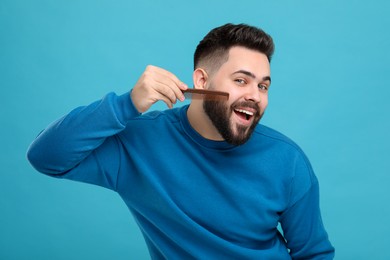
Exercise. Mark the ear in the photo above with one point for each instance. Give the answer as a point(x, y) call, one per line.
point(200, 78)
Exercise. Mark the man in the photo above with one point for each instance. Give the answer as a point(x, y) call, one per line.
point(203, 181)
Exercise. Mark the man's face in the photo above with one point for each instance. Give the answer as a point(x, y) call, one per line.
point(246, 76)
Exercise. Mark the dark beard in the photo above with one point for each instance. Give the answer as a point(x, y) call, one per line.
point(219, 114)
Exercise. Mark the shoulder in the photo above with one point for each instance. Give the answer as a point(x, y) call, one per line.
point(282, 148)
point(289, 159)
point(153, 124)
point(169, 115)
point(269, 135)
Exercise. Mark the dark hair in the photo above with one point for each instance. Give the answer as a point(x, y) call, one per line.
point(214, 47)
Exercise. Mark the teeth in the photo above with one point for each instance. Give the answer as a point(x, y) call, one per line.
point(245, 112)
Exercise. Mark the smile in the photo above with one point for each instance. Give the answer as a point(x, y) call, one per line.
point(243, 114)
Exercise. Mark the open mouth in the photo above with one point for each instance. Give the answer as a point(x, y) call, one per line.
point(243, 114)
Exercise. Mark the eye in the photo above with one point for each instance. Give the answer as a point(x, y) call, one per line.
point(263, 87)
point(240, 81)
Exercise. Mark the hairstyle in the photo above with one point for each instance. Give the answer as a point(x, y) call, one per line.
point(212, 51)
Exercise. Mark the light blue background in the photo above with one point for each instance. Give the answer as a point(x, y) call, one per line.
point(330, 93)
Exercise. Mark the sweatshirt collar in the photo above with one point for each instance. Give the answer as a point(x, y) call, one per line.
point(199, 139)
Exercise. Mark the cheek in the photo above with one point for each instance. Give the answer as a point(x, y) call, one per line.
point(234, 95)
point(264, 102)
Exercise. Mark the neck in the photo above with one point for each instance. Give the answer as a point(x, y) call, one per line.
point(200, 121)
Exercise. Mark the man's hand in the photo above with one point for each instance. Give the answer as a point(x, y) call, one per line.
point(156, 84)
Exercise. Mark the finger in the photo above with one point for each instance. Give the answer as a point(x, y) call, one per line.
point(165, 91)
point(164, 74)
point(170, 88)
point(165, 78)
point(172, 77)
point(167, 101)
point(167, 83)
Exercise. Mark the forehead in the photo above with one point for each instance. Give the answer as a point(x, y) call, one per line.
point(241, 58)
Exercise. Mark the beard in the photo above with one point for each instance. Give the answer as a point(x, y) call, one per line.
point(220, 115)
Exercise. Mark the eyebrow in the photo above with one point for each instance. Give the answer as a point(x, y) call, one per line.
point(250, 74)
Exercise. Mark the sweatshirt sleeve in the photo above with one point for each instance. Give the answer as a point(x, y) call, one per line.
point(75, 144)
point(301, 222)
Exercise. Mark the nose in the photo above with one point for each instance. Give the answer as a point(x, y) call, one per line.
point(252, 93)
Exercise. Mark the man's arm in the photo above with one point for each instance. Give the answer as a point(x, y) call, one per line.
point(303, 228)
point(301, 221)
point(70, 140)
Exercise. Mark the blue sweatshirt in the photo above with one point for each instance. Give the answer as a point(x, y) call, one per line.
point(192, 197)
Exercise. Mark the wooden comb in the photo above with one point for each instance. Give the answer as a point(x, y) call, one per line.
point(205, 94)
